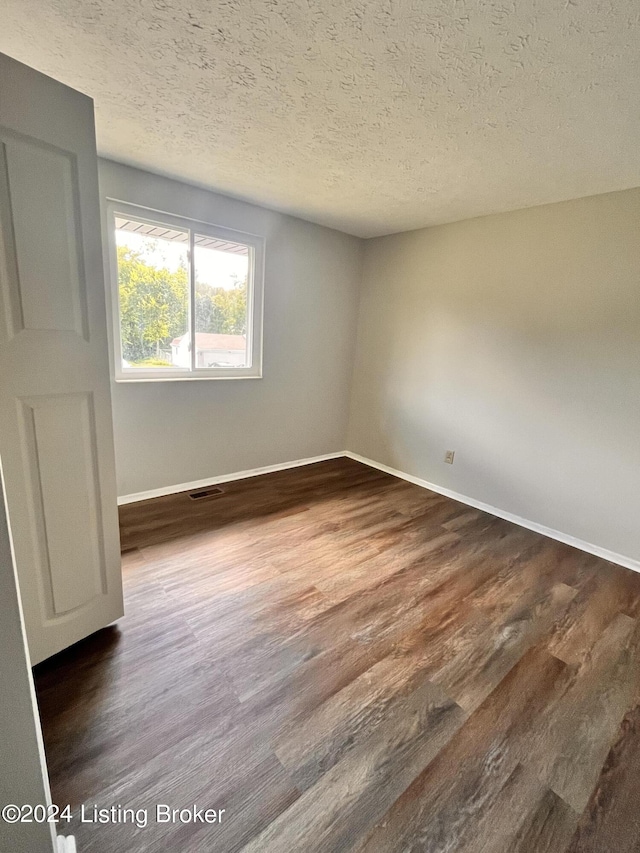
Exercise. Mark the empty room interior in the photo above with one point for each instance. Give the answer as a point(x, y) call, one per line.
point(319, 426)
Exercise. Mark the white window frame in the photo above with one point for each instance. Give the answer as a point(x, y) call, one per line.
point(255, 296)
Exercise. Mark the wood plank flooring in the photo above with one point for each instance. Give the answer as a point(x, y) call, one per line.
point(346, 662)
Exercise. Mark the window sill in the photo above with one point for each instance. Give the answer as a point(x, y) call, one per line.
point(138, 379)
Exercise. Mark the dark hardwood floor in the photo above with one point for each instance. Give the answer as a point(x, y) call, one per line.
point(346, 662)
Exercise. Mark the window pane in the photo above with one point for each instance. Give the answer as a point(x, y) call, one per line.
point(221, 275)
point(153, 285)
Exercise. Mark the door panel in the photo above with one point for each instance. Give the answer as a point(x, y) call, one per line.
point(56, 441)
point(41, 190)
point(59, 433)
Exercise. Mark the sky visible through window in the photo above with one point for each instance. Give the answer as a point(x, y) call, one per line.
point(218, 269)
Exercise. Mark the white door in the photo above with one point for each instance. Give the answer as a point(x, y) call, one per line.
point(23, 770)
point(56, 434)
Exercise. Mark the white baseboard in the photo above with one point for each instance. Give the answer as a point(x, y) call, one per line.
point(596, 550)
point(225, 478)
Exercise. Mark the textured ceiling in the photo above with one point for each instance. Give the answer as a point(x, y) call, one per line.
point(372, 116)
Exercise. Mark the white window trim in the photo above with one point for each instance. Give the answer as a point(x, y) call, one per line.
point(255, 296)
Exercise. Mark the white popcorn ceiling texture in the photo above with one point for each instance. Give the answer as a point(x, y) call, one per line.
point(372, 116)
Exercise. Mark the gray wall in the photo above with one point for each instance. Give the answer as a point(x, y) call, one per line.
point(515, 341)
point(167, 433)
point(512, 339)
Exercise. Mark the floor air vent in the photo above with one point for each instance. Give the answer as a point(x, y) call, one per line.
point(213, 492)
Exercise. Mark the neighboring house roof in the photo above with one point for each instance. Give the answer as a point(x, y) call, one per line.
point(208, 341)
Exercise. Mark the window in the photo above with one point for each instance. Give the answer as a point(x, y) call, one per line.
point(189, 298)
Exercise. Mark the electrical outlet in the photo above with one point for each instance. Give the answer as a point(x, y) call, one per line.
point(448, 456)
